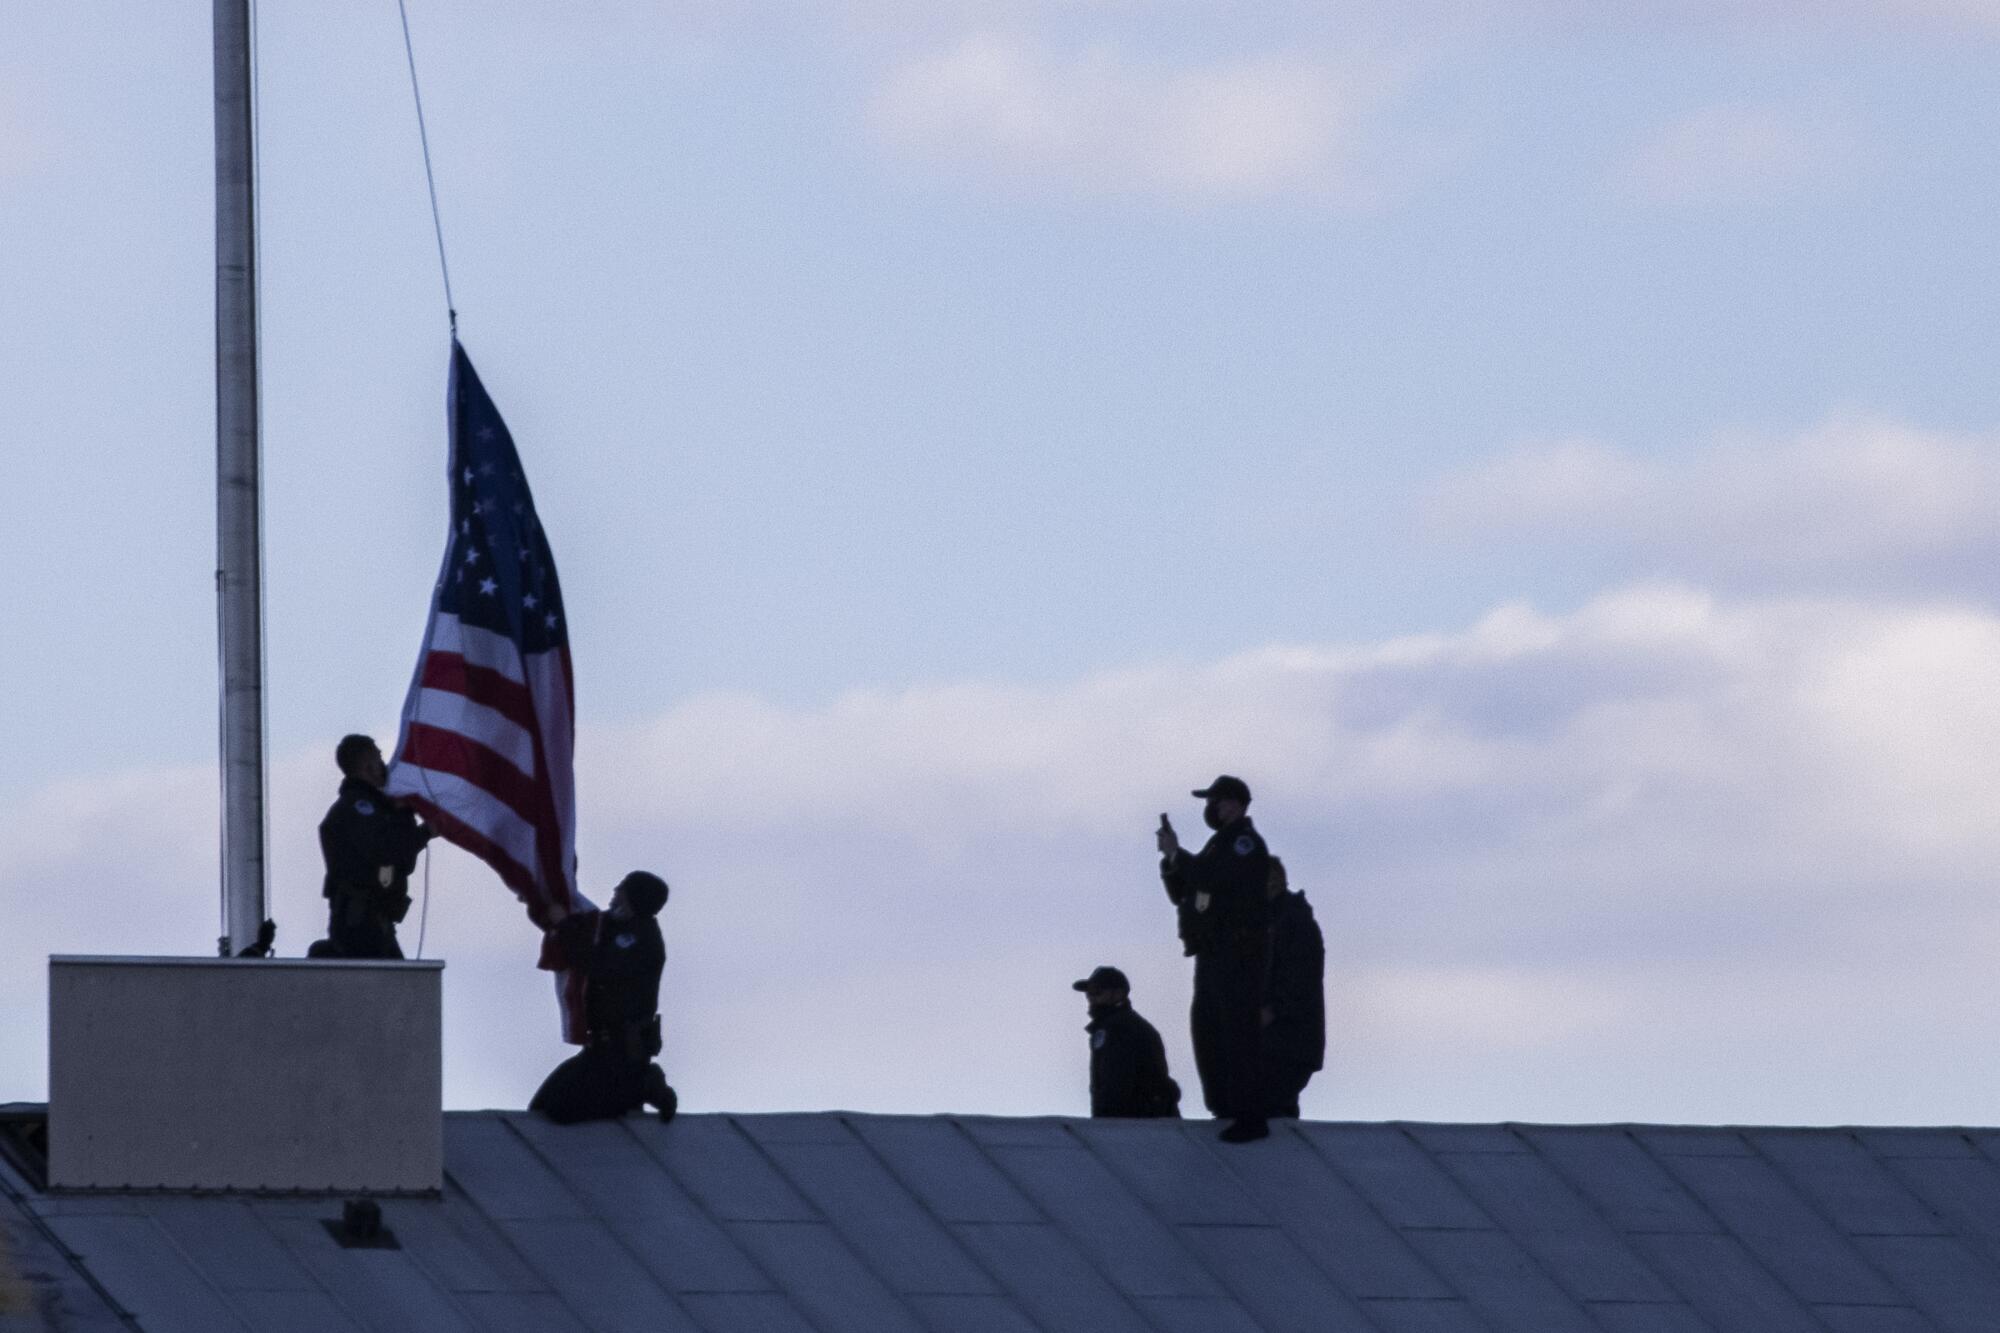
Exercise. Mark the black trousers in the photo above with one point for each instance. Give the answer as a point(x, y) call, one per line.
point(597, 1083)
point(354, 930)
point(1226, 1024)
point(1284, 1081)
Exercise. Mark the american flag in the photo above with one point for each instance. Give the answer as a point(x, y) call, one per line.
point(488, 728)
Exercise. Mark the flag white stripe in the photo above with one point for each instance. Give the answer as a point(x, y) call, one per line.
point(472, 806)
point(548, 686)
point(494, 730)
point(480, 647)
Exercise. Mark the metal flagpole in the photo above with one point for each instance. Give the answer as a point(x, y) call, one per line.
point(239, 581)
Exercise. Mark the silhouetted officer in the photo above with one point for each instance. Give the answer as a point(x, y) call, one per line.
point(621, 955)
point(1219, 894)
point(1294, 1047)
point(1128, 1063)
point(370, 844)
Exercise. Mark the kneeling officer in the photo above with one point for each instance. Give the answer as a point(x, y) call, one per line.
point(1128, 1063)
point(621, 955)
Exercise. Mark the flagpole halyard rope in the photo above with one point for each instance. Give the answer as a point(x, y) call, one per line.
point(430, 179)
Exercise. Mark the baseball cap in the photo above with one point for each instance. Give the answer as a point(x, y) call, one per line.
point(1234, 789)
point(1104, 978)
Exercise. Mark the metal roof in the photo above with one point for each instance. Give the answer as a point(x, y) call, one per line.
point(967, 1224)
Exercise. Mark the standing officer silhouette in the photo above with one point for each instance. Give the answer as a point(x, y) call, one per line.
point(1294, 1019)
point(1219, 896)
point(370, 844)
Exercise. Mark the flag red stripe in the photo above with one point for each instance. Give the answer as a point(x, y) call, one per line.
point(574, 986)
point(512, 873)
point(482, 685)
point(463, 756)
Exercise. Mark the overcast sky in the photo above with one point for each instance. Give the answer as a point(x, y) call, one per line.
point(1551, 450)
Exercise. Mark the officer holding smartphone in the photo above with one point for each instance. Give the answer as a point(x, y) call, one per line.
point(1219, 896)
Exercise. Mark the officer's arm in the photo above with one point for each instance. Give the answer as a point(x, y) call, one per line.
point(410, 837)
point(344, 841)
point(566, 945)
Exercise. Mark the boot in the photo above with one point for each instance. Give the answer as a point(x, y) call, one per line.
point(1247, 1129)
point(659, 1095)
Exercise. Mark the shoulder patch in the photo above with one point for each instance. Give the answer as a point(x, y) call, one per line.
point(626, 940)
point(1245, 845)
point(364, 807)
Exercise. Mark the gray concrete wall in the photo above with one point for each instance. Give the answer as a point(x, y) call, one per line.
point(242, 1074)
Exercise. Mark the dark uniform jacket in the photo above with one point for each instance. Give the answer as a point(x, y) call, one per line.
point(364, 834)
point(1128, 1066)
point(1297, 981)
point(621, 962)
point(1220, 892)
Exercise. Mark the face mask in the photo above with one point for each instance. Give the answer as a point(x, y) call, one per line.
point(1210, 817)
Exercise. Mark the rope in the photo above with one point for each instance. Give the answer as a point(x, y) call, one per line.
point(451, 313)
point(424, 916)
point(430, 180)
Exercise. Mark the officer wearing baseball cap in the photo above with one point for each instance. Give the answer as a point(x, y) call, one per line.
point(1128, 1063)
point(1219, 896)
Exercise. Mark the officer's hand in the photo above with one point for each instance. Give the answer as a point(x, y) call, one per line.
point(1168, 841)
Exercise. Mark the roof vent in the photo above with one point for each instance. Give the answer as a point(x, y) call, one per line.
point(359, 1227)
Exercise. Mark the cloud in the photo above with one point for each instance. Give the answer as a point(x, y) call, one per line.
point(1739, 154)
point(1667, 856)
point(1803, 16)
point(1100, 121)
point(1865, 501)
point(1435, 18)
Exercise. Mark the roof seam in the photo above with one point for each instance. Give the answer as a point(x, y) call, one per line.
point(944, 1228)
point(69, 1256)
point(720, 1227)
point(591, 1215)
point(1554, 1280)
point(222, 1297)
point(1595, 1210)
point(1741, 1240)
point(899, 1298)
point(1812, 1205)
point(1171, 1226)
point(1360, 1196)
point(1089, 1259)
